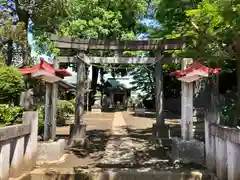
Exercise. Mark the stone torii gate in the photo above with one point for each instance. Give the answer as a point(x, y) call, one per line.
point(77, 130)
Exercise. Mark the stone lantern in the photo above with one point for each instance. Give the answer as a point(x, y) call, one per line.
point(187, 149)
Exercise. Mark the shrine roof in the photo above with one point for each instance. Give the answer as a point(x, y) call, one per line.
point(66, 85)
point(43, 65)
point(123, 83)
point(195, 66)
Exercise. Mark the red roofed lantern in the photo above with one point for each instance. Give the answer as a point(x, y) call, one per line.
point(45, 71)
point(194, 71)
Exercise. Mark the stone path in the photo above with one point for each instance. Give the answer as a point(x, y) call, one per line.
point(119, 149)
point(123, 150)
point(127, 149)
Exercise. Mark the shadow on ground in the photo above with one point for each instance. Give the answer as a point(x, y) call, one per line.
point(152, 115)
point(155, 156)
point(96, 144)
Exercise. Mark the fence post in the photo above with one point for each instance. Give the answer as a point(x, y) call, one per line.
point(4, 159)
point(233, 160)
point(17, 152)
point(221, 158)
point(210, 150)
point(31, 117)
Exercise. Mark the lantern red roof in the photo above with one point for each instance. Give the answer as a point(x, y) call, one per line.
point(47, 67)
point(195, 66)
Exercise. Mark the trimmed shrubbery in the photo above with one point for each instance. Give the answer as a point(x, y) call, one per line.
point(64, 110)
point(10, 115)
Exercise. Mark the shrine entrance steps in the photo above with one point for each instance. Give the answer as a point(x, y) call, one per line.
point(123, 153)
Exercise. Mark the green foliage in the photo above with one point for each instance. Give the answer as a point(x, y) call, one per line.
point(64, 110)
point(11, 32)
point(2, 63)
point(228, 110)
point(214, 29)
point(217, 25)
point(143, 80)
point(11, 83)
point(41, 111)
point(171, 86)
point(212, 24)
point(88, 19)
point(99, 19)
point(10, 115)
point(73, 101)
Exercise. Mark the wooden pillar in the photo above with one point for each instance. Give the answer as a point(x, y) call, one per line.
point(47, 115)
point(187, 106)
point(161, 129)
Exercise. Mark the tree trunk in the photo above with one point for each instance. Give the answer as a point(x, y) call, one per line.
point(102, 83)
point(95, 71)
point(23, 16)
point(9, 52)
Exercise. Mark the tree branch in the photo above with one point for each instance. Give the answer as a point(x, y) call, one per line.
point(210, 38)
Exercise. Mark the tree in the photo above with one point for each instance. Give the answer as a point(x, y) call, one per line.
point(11, 84)
point(218, 23)
point(40, 15)
point(212, 24)
point(98, 20)
point(143, 79)
point(12, 34)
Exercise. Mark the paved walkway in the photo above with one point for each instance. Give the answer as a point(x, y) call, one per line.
point(127, 149)
point(94, 121)
point(123, 150)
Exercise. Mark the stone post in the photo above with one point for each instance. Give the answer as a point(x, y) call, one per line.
point(54, 98)
point(17, 147)
point(187, 106)
point(211, 117)
point(31, 142)
point(4, 160)
point(47, 115)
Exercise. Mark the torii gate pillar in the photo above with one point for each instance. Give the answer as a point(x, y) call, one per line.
point(78, 128)
point(161, 130)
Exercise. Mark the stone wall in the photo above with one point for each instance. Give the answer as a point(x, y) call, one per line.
point(18, 147)
point(222, 151)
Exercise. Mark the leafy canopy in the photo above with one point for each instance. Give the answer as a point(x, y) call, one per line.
point(93, 19)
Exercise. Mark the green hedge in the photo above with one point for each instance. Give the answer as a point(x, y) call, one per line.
point(11, 84)
point(10, 115)
point(40, 119)
point(64, 110)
